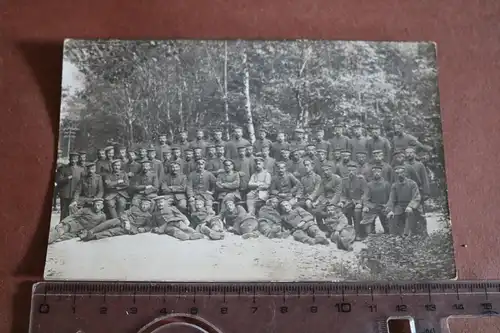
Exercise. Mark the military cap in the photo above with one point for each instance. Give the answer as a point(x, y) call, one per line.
point(59, 151)
point(311, 144)
point(241, 146)
point(175, 162)
point(197, 148)
point(346, 151)
point(263, 130)
point(188, 149)
point(82, 153)
point(162, 134)
point(237, 127)
point(248, 145)
point(259, 159)
point(109, 148)
point(230, 197)
point(410, 148)
point(151, 149)
point(361, 152)
point(218, 130)
point(398, 152)
point(116, 161)
point(338, 125)
point(175, 147)
point(356, 124)
point(375, 166)
point(299, 130)
point(89, 164)
point(228, 160)
point(281, 163)
point(201, 159)
point(265, 145)
point(121, 147)
point(141, 147)
point(210, 145)
point(159, 197)
point(146, 162)
point(321, 150)
point(327, 165)
point(296, 149)
point(74, 153)
point(320, 130)
point(98, 199)
point(285, 148)
point(376, 151)
point(220, 145)
point(400, 166)
point(146, 199)
point(374, 126)
point(352, 165)
point(101, 149)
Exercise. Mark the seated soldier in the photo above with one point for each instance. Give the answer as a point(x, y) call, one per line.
point(228, 182)
point(311, 183)
point(285, 186)
point(206, 222)
point(156, 164)
point(302, 225)
point(244, 166)
point(318, 166)
point(269, 162)
point(132, 167)
point(329, 192)
point(189, 164)
point(116, 190)
point(238, 220)
point(89, 187)
point(339, 232)
point(200, 185)
point(342, 166)
point(144, 185)
point(84, 219)
point(170, 221)
point(353, 189)
point(215, 165)
point(270, 220)
point(296, 167)
point(374, 201)
point(258, 185)
point(174, 186)
point(134, 221)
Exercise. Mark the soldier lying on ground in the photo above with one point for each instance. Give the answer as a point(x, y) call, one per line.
point(206, 222)
point(168, 220)
point(302, 225)
point(270, 220)
point(134, 221)
point(238, 220)
point(338, 230)
point(84, 219)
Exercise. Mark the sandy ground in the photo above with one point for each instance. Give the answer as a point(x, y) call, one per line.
point(147, 257)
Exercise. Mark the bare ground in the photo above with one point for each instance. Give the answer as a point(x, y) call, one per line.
point(150, 257)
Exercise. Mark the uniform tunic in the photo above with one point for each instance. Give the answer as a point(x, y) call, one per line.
point(417, 172)
point(199, 184)
point(310, 184)
point(342, 170)
point(377, 193)
point(188, 167)
point(323, 144)
point(404, 194)
point(277, 147)
point(132, 167)
point(199, 144)
point(240, 220)
point(297, 168)
point(88, 188)
point(298, 144)
point(68, 187)
point(116, 227)
point(175, 186)
point(330, 190)
point(286, 186)
point(258, 186)
point(138, 186)
point(309, 232)
point(228, 183)
point(103, 167)
point(403, 141)
point(157, 166)
point(160, 149)
point(338, 142)
point(379, 143)
point(358, 145)
point(183, 145)
point(353, 189)
point(365, 170)
point(258, 144)
point(216, 165)
point(84, 219)
point(387, 172)
point(318, 167)
point(269, 164)
point(112, 186)
point(269, 221)
point(232, 147)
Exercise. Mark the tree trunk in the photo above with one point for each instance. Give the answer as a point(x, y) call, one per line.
point(248, 105)
point(226, 102)
point(182, 124)
point(130, 126)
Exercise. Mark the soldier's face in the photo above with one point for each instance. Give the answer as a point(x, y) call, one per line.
point(73, 159)
point(238, 133)
point(281, 137)
point(151, 154)
point(398, 129)
point(299, 136)
point(91, 169)
point(308, 165)
point(346, 156)
point(219, 151)
point(230, 205)
point(249, 151)
point(184, 136)
point(146, 167)
point(228, 166)
point(377, 173)
point(330, 210)
point(400, 173)
point(265, 151)
point(262, 135)
point(286, 206)
point(176, 153)
point(259, 165)
point(175, 168)
point(241, 152)
point(163, 139)
point(274, 203)
point(352, 171)
point(296, 155)
point(145, 205)
point(357, 131)
point(410, 154)
point(281, 169)
point(197, 153)
point(321, 156)
point(189, 155)
point(378, 157)
point(82, 158)
point(143, 153)
point(337, 155)
point(311, 150)
point(201, 165)
point(218, 136)
point(123, 153)
point(399, 158)
point(98, 206)
point(327, 171)
point(361, 158)
point(131, 155)
point(117, 166)
point(337, 131)
point(199, 135)
point(110, 154)
point(285, 154)
point(211, 151)
point(160, 204)
point(375, 132)
point(199, 205)
point(167, 156)
point(320, 135)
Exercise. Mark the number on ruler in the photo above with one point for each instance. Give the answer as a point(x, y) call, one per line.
point(254, 309)
point(401, 308)
point(343, 307)
point(44, 308)
point(458, 307)
point(193, 310)
point(103, 310)
point(430, 307)
point(373, 307)
point(223, 310)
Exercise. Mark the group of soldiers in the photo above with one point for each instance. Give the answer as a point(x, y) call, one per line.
point(316, 190)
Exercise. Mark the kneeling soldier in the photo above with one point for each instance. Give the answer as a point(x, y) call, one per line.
point(206, 222)
point(270, 220)
point(302, 225)
point(170, 221)
point(134, 221)
point(84, 219)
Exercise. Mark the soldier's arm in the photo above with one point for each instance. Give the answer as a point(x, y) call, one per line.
point(235, 184)
point(252, 183)
point(189, 187)
point(425, 180)
point(413, 141)
point(78, 190)
point(392, 199)
point(181, 187)
point(135, 186)
point(415, 196)
point(164, 188)
point(317, 188)
point(273, 188)
point(218, 183)
point(267, 182)
point(61, 179)
point(297, 186)
point(100, 188)
point(109, 182)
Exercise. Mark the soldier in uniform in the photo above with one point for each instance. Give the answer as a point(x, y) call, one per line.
point(156, 165)
point(206, 222)
point(82, 159)
point(199, 142)
point(402, 140)
point(320, 142)
point(237, 141)
point(189, 164)
point(296, 166)
point(285, 157)
point(353, 190)
point(228, 182)
point(342, 168)
point(378, 142)
point(270, 220)
point(167, 159)
point(404, 204)
point(116, 190)
point(398, 158)
point(216, 164)
point(243, 165)
point(67, 180)
point(200, 185)
point(328, 193)
point(174, 187)
point(311, 153)
point(134, 221)
point(122, 154)
point(251, 156)
point(338, 141)
point(258, 185)
point(217, 141)
point(337, 155)
point(211, 151)
point(89, 187)
point(143, 154)
point(177, 155)
point(162, 146)
point(183, 142)
point(269, 162)
point(300, 142)
point(170, 221)
point(364, 168)
point(103, 165)
point(318, 166)
point(358, 143)
point(338, 230)
point(302, 225)
point(311, 183)
point(84, 219)
point(261, 141)
point(379, 161)
point(279, 145)
point(132, 167)
point(144, 185)
point(198, 153)
point(238, 220)
point(374, 202)
point(285, 185)
point(59, 164)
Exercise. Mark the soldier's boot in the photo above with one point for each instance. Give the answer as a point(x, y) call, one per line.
point(321, 240)
point(215, 235)
point(310, 241)
point(195, 236)
point(86, 235)
point(253, 234)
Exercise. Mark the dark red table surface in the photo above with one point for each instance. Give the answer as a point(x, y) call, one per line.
point(31, 33)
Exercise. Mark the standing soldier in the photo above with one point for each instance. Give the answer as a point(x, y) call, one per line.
point(67, 180)
point(302, 225)
point(177, 155)
point(320, 142)
point(237, 141)
point(144, 185)
point(116, 190)
point(311, 183)
point(285, 157)
point(354, 188)
point(156, 165)
point(296, 166)
point(279, 145)
point(339, 140)
point(404, 205)
point(269, 162)
point(228, 182)
point(342, 168)
point(258, 185)
point(216, 164)
point(162, 146)
point(211, 151)
point(174, 187)
point(59, 164)
point(358, 142)
point(84, 219)
point(82, 159)
point(285, 185)
point(167, 159)
point(378, 142)
point(300, 142)
point(337, 155)
point(102, 164)
point(183, 142)
point(131, 168)
point(398, 158)
point(217, 141)
point(243, 165)
point(364, 168)
point(374, 202)
point(318, 166)
point(122, 155)
point(197, 153)
point(251, 157)
point(89, 187)
point(379, 161)
point(261, 141)
point(189, 164)
point(200, 185)
point(402, 140)
point(199, 142)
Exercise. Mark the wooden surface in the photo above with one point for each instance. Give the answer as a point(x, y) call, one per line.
point(31, 34)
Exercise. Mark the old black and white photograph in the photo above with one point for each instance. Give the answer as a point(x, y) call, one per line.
point(225, 161)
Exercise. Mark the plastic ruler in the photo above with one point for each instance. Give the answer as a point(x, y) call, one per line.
point(92, 307)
